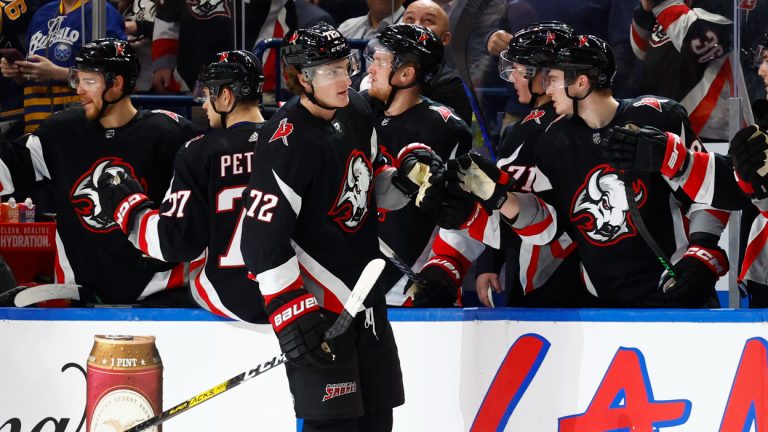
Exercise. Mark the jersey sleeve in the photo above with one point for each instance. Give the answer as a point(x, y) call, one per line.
point(702, 33)
point(165, 34)
point(180, 228)
point(273, 202)
point(27, 160)
point(15, 16)
point(455, 248)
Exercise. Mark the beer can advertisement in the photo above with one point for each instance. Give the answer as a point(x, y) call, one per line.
point(464, 370)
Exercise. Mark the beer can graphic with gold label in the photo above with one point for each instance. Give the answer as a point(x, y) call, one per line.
point(125, 383)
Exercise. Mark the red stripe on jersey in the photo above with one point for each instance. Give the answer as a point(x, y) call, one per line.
point(58, 269)
point(176, 279)
point(698, 172)
point(204, 295)
point(640, 42)
point(442, 249)
point(703, 110)
point(754, 249)
point(477, 226)
point(330, 301)
point(298, 283)
point(143, 245)
point(535, 229)
point(559, 252)
point(164, 47)
point(533, 265)
point(669, 15)
point(381, 169)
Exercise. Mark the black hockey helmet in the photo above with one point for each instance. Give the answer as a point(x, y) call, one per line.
point(110, 57)
point(411, 43)
point(586, 55)
point(533, 46)
point(239, 70)
point(314, 46)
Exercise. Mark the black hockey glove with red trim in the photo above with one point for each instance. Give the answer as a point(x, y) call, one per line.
point(441, 288)
point(458, 209)
point(300, 327)
point(697, 272)
point(420, 174)
point(758, 295)
point(749, 153)
point(121, 197)
point(480, 177)
point(645, 149)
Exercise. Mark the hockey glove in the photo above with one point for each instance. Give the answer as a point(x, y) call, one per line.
point(458, 209)
point(300, 327)
point(121, 197)
point(697, 272)
point(645, 149)
point(481, 179)
point(749, 153)
point(420, 174)
point(441, 287)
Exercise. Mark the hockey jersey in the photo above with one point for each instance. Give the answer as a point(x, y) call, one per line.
point(530, 267)
point(311, 202)
point(200, 220)
point(410, 231)
point(588, 201)
point(59, 37)
point(685, 48)
point(73, 152)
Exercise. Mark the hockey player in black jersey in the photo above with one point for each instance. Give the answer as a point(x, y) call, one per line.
point(200, 219)
point(537, 275)
point(402, 62)
point(310, 229)
point(589, 198)
point(74, 147)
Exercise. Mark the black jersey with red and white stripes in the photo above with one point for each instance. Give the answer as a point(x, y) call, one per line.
point(685, 49)
point(73, 152)
point(200, 221)
point(311, 203)
point(530, 266)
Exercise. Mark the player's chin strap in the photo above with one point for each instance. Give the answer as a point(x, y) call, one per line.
point(106, 103)
point(395, 88)
point(223, 114)
point(313, 99)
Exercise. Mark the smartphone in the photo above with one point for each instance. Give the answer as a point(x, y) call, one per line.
point(11, 54)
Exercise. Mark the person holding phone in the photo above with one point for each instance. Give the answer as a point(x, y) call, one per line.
point(55, 34)
point(15, 16)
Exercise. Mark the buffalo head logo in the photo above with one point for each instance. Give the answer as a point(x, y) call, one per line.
point(85, 194)
point(600, 208)
point(208, 8)
point(351, 205)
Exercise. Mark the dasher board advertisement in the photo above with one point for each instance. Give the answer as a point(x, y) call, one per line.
point(464, 370)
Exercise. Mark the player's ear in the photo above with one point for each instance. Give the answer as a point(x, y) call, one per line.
point(304, 83)
point(118, 82)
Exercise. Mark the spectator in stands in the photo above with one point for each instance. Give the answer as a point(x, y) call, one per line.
point(51, 52)
point(139, 24)
point(446, 88)
point(15, 16)
point(381, 14)
point(310, 14)
point(188, 34)
point(685, 53)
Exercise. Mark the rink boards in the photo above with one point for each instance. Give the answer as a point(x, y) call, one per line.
point(482, 370)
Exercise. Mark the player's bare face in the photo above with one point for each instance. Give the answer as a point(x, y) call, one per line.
point(517, 76)
point(763, 70)
point(90, 88)
point(214, 119)
point(379, 69)
point(331, 83)
point(554, 85)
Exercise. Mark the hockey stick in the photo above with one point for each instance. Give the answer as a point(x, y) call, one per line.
point(41, 293)
point(7, 298)
point(634, 211)
point(352, 306)
point(471, 12)
point(398, 262)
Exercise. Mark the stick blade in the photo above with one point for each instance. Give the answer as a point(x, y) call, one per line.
point(364, 284)
point(41, 293)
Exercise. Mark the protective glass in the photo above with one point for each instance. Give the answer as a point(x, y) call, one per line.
point(330, 73)
point(88, 80)
point(761, 55)
point(509, 70)
point(204, 93)
point(553, 81)
point(378, 55)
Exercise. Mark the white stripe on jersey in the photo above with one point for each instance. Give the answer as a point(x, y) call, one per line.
point(293, 198)
point(202, 282)
point(468, 247)
point(587, 281)
point(146, 226)
point(38, 161)
point(505, 161)
point(66, 267)
point(159, 282)
point(321, 275)
point(276, 279)
point(6, 183)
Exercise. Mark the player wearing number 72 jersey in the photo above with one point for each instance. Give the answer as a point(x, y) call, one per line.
point(200, 218)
